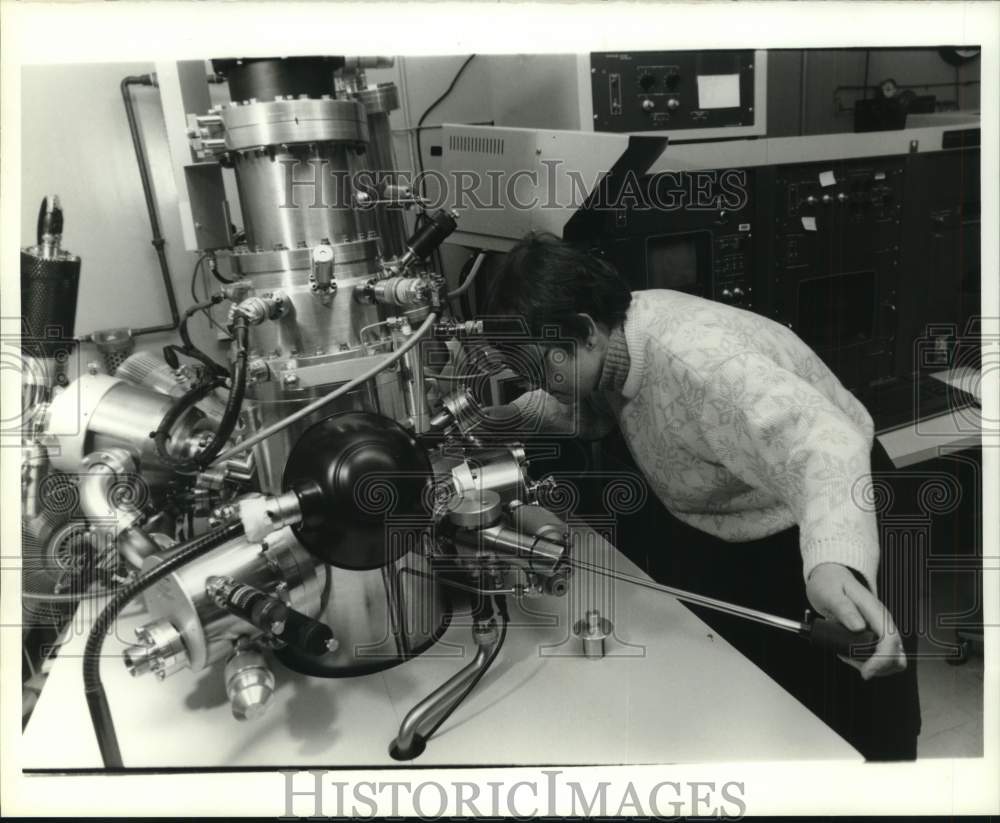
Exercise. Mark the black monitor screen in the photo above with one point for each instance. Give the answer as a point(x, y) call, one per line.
point(672, 261)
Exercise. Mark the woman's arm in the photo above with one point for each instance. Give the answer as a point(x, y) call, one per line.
point(539, 411)
point(774, 430)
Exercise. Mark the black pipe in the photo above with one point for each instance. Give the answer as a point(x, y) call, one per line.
point(188, 347)
point(147, 190)
point(237, 390)
point(97, 700)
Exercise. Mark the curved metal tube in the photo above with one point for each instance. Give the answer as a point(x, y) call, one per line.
point(422, 717)
point(116, 523)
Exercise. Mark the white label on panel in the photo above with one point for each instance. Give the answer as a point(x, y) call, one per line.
point(718, 91)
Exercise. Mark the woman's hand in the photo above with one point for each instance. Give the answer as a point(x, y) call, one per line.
point(836, 594)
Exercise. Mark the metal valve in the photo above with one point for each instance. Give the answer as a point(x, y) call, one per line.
point(321, 270)
point(263, 307)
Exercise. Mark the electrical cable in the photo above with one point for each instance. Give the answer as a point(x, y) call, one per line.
point(208, 292)
point(189, 348)
point(428, 110)
point(349, 386)
point(421, 189)
point(97, 700)
point(237, 391)
point(199, 266)
point(230, 416)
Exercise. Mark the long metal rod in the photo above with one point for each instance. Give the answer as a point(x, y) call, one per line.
point(697, 599)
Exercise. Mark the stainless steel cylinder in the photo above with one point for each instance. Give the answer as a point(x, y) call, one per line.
point(150, 371)
point(293, 161)
point(315, 346)
point(208, 630)
point(98, 412)
point(536, 553)
point(316, 321)
point(593, 630)
point(500, 470)
point(308, 120)
point(296, 196)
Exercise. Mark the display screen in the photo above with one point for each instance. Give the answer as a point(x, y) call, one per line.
point(672, 261)
point(838, 310)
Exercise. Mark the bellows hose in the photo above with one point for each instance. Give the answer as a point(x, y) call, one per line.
point(97, 701)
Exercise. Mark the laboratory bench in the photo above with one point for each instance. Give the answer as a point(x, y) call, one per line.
point(668, 690)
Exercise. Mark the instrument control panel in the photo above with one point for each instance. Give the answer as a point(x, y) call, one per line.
point(670, 91)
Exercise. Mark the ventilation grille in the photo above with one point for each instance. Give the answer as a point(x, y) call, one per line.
point(476, 145)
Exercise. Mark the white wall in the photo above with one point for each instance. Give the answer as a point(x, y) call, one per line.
point(75, 143)
point(514, 90)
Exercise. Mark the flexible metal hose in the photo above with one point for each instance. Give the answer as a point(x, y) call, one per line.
point(284, 423)
point(97, 701)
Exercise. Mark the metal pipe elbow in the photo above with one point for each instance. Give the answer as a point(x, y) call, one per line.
point(409, 743)
point(111, 496)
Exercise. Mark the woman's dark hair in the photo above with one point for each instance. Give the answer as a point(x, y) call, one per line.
point(548, 282)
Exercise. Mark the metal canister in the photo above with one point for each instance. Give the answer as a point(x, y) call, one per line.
point(49, 287)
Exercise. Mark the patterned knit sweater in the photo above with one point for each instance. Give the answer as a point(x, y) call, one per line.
point(739, 428)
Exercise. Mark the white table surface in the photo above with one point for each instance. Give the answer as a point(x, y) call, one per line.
point(949, 431)
point(669, 690)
